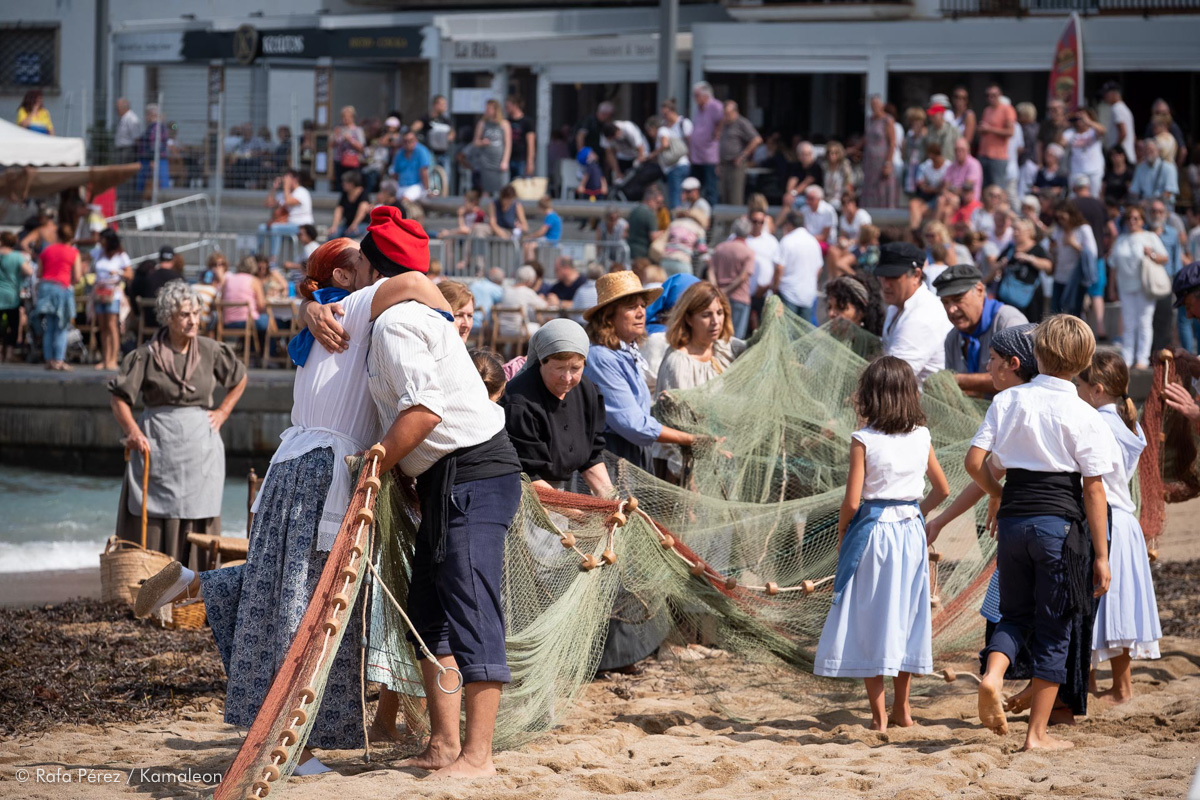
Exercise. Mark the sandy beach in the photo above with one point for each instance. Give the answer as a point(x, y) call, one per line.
point(709, 729)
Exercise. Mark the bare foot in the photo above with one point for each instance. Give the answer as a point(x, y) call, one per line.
point(1047, 742)
point(100, 366)
point(878, 725)
point(1061, 715)
point(433, 757)
point(1113, 697)
point(991, 709)
point(391, 733)
point(1020, 701)
point(461, 768)
point(901, 719)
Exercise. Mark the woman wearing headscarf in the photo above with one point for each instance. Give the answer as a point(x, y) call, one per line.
point(554, 415)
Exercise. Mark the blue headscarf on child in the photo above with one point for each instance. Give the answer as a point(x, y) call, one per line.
point(658, 311)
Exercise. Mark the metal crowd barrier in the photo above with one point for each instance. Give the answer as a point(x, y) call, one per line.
point(195, 247)
point(469, 257)
point(584, 252)
point(191, 213)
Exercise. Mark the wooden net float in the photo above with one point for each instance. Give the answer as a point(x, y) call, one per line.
point(608, 557)
point(588, 563)
point(950, 676)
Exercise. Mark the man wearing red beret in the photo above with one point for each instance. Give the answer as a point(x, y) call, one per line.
point(443, 430)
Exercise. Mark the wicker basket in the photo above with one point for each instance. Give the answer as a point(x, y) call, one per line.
point(530, 188)
point(188, 615)
point(124, 566)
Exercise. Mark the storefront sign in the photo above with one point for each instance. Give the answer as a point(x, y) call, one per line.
point(248, 43)
point(605, 49)
point(148, 48)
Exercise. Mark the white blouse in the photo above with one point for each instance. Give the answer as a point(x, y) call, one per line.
point(1126, 258)
point(331, 407)
point(895, 467)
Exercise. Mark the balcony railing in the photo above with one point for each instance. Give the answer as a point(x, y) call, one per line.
point(1021, 8)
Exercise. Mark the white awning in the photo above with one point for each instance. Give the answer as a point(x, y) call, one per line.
point(20, 147)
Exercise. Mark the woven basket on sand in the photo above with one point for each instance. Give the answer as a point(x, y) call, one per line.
point(124, 566)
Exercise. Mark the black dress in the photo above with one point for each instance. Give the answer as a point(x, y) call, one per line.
point(554, 438)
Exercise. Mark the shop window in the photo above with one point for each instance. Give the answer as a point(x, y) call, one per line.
point(28, 58)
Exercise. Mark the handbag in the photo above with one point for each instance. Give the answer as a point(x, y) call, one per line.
point(103, 294)
point(1016, 289)
point(1156, 283)
point(675, 150)
point(350, 160)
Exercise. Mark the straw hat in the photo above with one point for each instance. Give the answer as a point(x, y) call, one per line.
point(617, 285)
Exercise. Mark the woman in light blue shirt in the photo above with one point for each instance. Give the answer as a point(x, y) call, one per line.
point(615, 325)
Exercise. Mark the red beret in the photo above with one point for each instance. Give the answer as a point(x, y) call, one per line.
point(396, 239)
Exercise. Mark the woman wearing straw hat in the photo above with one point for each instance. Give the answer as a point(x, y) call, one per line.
point(615, 326)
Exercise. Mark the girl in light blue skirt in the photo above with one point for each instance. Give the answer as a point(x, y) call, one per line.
point(1127, 625)
point(879, 623)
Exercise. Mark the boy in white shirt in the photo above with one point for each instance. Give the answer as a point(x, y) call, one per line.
point(1056, 450)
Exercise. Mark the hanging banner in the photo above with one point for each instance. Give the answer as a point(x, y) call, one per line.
point(1066, 73)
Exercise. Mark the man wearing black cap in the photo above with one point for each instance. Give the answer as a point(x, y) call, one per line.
point(916, 325)
point(148, 284)
point(1186, 287)
point(976, 319)
point(443, 430)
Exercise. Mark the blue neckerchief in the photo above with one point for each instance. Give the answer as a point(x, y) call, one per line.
point(301, 344)
point(974, 346)
point(672, 289)
point(855, 540)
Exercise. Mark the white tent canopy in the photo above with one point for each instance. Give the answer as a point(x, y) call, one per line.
point(21, 147)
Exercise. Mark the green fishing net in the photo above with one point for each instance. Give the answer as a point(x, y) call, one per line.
point(725, 557)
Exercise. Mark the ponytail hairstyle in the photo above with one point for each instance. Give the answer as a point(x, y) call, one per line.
point(1109, 370)
point(318, 273)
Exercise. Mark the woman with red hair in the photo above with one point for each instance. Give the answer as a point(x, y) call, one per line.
point(255, 608)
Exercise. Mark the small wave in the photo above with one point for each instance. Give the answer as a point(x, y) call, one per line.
point(42, 556)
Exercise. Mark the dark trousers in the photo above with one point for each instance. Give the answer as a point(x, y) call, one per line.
point(1067, 298)
point(1033, 595)
point(455, 605)
point(994, 171)
point(707, 175)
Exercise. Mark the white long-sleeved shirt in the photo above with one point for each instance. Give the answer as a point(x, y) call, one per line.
point(917, 332)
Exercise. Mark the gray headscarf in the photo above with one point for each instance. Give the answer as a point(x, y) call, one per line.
point(556, 336)
point(1018, 341)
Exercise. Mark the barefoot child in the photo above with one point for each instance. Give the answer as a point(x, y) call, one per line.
point(1055, 449)
point(1127, 624)
point(1011, 363)
point(879, 623)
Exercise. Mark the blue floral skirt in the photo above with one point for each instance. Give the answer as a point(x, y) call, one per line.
point(255, 608)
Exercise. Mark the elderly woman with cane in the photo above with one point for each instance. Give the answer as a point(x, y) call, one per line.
point(175, 375)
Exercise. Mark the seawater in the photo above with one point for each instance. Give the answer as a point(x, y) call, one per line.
point(55, 521)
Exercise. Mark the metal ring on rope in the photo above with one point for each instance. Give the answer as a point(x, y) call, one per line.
point(442, 670)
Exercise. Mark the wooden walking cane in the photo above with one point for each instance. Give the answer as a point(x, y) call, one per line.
point(145, 488)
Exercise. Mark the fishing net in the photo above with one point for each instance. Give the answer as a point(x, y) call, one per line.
point(1169, 469)
point(741, 556)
